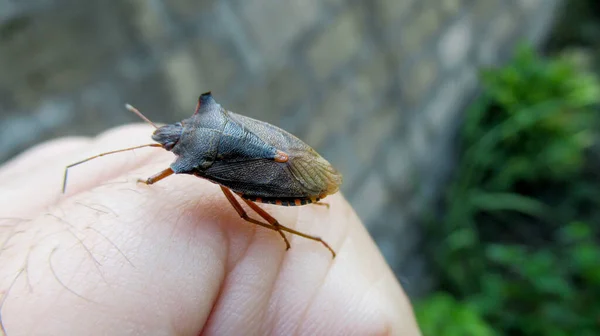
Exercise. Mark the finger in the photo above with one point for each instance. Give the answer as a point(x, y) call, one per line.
point(122, 257)
point(188, 251)
point(359, 295)
point(39, 155)
point(306, 294)
point(178, 275)
point(41, 185)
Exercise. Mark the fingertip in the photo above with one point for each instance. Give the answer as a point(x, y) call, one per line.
point(40, 153)
point(359, 292)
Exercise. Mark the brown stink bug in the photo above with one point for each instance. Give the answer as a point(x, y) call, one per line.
point(253, 159)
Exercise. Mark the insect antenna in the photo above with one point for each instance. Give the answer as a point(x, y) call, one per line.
point(136, 111)
point(99, 155)
point(130, 108)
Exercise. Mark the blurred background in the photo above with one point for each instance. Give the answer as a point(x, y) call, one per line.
point(466, 130)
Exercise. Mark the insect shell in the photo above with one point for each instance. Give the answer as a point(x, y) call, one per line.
point(254, 159)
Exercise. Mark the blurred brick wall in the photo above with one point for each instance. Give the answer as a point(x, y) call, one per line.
point(376, 86)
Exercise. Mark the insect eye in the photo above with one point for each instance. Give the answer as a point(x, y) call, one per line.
point(169, 145)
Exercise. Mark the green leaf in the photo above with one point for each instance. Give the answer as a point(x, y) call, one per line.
point(575, 232)
point(442, 315)
point(489, 201)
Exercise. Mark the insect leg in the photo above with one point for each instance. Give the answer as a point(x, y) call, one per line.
point(157, 177)
point(322, 204)
point(236, 205)
point(276, 224)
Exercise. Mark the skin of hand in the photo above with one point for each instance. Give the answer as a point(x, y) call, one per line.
point(116, 257)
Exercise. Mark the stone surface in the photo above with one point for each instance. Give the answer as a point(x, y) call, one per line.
point(334, 116)
point(451, 7)
point(338, 43)
point(370, 198)
point(340, 152)
point(286, 86)
point(37, 56)
point(391, 11)
point(182, 74)
point(377, 87)
point(455, 44)
point(292, 18)
point(420, 27)
point(186, 10)
point(418, 80)
point(150, 19)
point(445, 105)
point(529, 5)
point(373, 134)
point(217, 67)
point(371, 80)
point(399, 168)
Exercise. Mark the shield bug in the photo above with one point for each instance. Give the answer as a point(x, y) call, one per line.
point(253, 159)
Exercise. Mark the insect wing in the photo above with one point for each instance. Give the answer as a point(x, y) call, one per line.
point(305, 174)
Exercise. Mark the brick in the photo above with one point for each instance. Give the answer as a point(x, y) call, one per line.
point(455, 44)
point(182, 75)
point(338, 44)
point(275, 25)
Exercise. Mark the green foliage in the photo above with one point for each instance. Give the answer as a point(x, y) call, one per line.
point(518, 244)
point(442, 315)
point(534, 118)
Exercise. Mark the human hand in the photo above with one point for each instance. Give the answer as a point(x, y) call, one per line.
point(112, 257)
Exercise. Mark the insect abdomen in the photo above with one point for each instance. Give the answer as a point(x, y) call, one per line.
point(282, 201)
